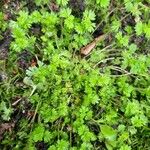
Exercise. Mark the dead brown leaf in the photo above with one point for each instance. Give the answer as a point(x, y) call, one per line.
point(88, 48)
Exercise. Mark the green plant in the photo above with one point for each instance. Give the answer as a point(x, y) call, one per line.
point(63, 100)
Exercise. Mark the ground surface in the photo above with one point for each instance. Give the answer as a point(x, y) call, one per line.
point(75, 75)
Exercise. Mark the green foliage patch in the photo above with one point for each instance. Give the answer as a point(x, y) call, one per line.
point(58, 99)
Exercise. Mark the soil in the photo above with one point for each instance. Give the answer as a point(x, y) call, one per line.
point(77, 7)
point(4, 45)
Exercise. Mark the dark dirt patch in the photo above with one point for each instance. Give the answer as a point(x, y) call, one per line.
point(41, 146)
point(4, 45)
point(36, 30)
point(128, 21)
point(98, 31)
point(77, 7)
point(25, 59)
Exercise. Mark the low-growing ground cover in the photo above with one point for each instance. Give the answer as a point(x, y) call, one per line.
point(75, 74)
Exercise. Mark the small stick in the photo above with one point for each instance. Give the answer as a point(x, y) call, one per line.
point(16, 102)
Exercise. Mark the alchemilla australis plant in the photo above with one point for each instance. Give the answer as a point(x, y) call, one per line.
point(75, 75)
